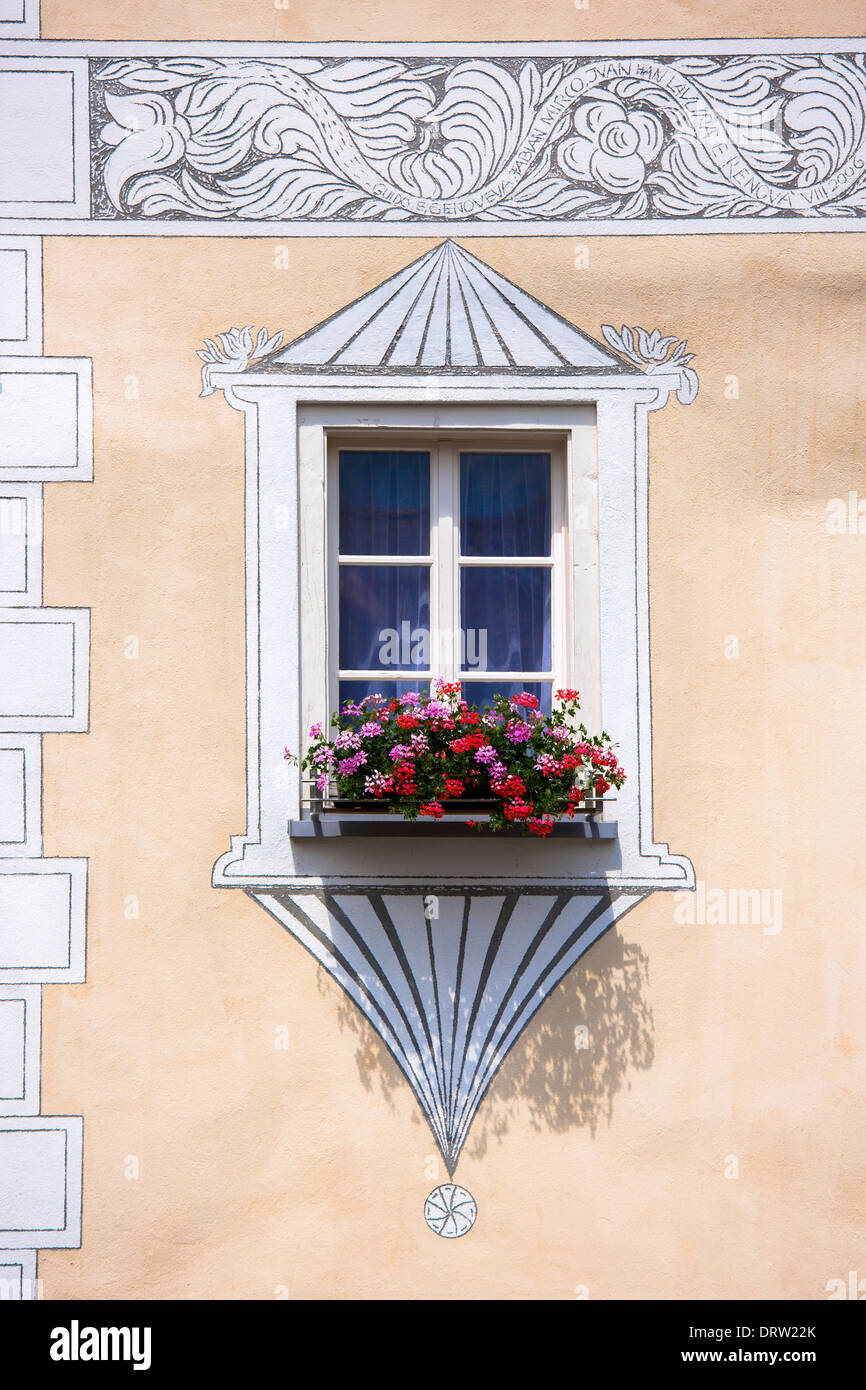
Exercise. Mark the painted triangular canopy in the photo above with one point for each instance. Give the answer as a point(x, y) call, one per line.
point(447, 312)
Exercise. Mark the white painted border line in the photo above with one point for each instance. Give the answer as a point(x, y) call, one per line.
point(338, 48)
point(256, 231)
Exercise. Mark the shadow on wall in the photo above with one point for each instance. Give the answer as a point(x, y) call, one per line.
point(575, 1056)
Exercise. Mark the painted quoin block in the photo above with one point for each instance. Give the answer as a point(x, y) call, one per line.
point(46, 436)
point(448, 947)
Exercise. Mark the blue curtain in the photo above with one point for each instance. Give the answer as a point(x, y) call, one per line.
point(505, 613)
point(504, 504)
point(384, 503)
point(382, 610)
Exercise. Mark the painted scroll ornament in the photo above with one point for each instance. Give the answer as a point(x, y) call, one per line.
point(386, 140)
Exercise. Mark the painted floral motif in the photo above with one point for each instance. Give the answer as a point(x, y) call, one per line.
point(612, 146)
point(235, 351)
point(653, 354)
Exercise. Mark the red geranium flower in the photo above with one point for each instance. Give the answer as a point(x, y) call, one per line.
point(518, 810)
point(540, 825)
point(511, 787)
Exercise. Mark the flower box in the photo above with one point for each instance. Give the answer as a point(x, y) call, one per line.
point(461, 806)
point(511, 767)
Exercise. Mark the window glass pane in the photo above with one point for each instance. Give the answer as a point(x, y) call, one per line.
point(504, 504)
point(481, 693)
point(384, 503)
point(505, 618)
point(356, 690)
point(384, 617)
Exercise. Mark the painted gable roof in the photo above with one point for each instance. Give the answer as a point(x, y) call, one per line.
point(449, 312)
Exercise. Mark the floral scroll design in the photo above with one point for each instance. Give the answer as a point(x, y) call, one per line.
point(653, 354)
point(311, 139)
point(235, 351)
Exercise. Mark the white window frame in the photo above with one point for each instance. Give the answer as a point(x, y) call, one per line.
point(288, 419)
point(445, 560)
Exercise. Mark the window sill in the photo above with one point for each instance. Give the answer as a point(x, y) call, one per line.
point(336, 824)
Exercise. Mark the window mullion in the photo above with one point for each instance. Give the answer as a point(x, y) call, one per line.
point(435, 550)
point(332, 580)
point(442, 635)
point(456, 627)
point(560, 644)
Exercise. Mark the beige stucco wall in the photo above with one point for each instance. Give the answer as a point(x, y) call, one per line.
point(370, 21)
point(306, 1168)
point(606, 1168)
